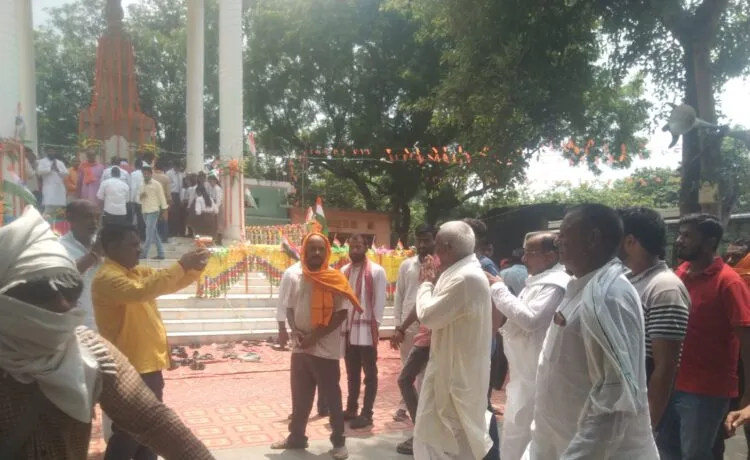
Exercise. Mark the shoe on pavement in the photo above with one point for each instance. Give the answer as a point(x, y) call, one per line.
point(400, 416)
point(406, 447)
point(289, 444)
point(340, 453)
point(361, 422)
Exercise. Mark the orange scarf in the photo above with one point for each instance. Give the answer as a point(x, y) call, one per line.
point(71, 182)
point(326, 282)
point(88, 173)
point(743, 268)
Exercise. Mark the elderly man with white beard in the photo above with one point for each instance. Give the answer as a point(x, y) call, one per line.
point(527, 318)
point(452, 419)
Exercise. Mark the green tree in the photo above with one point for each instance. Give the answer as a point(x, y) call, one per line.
point(66, 63)
point(691, 48)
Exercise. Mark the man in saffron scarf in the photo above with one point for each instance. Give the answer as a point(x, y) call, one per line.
point(89, 177)
point(367, 279)
point(317, 317)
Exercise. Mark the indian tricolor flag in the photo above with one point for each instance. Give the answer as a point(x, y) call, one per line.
point(320, 216)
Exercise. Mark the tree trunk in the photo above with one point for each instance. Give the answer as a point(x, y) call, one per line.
point(402, 222)
point(691, 166)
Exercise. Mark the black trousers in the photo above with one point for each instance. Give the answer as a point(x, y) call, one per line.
point(135, 212)
point(498, 365)
point(121, 445)
point(113, 219)
point(414, 365)
point(307, 372)
point(361, 358)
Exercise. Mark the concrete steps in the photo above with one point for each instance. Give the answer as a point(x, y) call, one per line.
point(235, 317)
point(246, 312)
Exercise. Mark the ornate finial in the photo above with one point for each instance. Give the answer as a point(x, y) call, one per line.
point(113, 12)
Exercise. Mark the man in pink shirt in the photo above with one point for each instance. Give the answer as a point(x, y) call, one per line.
point(418, 356)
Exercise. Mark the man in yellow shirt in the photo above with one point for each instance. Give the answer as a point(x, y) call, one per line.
point(153, 205)
point(124, 296)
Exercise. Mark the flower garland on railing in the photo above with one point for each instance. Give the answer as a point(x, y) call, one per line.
point(270, 234)
point(228, 265)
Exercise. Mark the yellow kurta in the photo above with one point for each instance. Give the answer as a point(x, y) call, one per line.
point(126, 312)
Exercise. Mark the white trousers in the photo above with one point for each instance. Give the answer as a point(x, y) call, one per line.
point(424, 451)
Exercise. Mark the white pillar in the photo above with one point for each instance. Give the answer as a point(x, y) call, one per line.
point(231, 125)
point(27, 72)
point(10, 76)
point(195, 66)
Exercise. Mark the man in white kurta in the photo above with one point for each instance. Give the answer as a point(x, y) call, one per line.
point(452, 418)
point(407, 284)
point(528, 318)
point(591, 399)
point(287, 296)
point(52, 172)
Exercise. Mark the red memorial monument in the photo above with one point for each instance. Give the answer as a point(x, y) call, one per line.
point(114, 117)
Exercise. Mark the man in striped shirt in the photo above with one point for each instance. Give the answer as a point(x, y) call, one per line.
point(666, 302)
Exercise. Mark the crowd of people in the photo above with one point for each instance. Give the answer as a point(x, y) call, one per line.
point(608, 352)
point(155, 195)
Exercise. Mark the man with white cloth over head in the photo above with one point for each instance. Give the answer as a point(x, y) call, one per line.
point(53, 371)
point(528, 318)
point(591, 400)
point(452, 418)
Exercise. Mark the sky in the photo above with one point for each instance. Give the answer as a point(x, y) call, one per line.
point(733, 102)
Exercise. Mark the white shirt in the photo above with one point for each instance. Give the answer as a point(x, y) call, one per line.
point(191, 195)
point(287, 290)
point(360, 324)
point(136, 182)
point(54, 192)
point(453, 398)
point(115, 194)
point(529, 316)
point(579, 411)
point(407, 285)
point(217, 194)
point(175, 180)
point(124, 176)
point(201, 208)
point(76, 250)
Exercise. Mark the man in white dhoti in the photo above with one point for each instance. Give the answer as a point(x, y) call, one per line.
point(591, 400)
point(528, 318)
point(452, 418)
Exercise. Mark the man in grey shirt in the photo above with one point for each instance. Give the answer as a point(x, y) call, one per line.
point(666, 302)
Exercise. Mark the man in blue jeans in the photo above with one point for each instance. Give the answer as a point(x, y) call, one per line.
point(153, 205)
point(718, 328)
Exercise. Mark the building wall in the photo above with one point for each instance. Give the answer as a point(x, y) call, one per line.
point(270, 197)
point(343, 223)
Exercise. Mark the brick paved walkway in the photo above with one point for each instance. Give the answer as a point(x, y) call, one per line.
point(233, 405)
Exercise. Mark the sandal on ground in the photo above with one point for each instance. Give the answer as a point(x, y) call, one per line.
point(206, 357)
point(196, 366)
point(250, 357)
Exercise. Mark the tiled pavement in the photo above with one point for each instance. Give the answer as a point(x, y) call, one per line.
point(239, 408)
point(235, 405)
